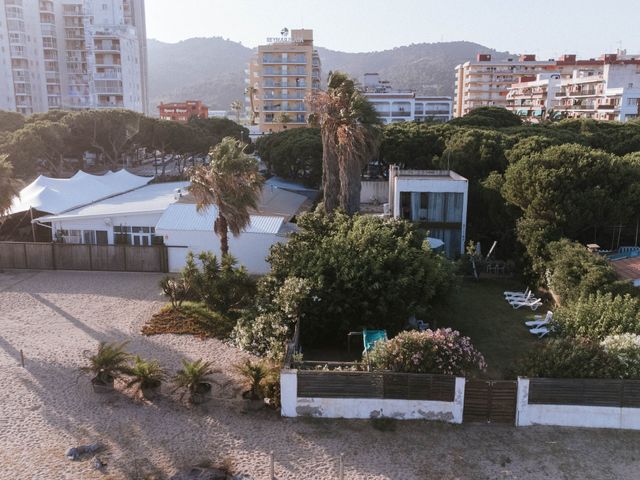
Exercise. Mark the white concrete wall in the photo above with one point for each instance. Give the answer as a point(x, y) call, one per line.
point(572, 415)
point(107, 223)
point(294, 406)
point(250, 249)
point(374, 191)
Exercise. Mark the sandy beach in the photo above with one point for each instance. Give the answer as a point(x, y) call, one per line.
point(46, 408)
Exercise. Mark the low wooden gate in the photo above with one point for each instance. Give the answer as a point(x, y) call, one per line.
point(489, 401)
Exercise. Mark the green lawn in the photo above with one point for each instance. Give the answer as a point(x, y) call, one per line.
point(478, 310)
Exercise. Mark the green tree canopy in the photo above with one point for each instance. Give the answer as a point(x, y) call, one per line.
point(570, 191)
point(295, 154)
point(363, 271)
point(493, 117)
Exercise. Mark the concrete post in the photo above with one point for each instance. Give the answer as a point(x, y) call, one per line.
point(288, 393)
point(458, 400)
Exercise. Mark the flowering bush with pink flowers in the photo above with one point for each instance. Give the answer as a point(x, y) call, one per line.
point(441, 351)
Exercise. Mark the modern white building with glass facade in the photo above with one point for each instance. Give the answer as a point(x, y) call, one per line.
point(437, 199)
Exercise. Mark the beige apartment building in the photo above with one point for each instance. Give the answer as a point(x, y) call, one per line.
point(281, 76)
point(486, 82)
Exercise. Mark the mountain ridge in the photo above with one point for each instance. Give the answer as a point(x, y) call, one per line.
point(212, 69)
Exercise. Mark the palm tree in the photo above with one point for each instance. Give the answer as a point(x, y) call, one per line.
point(9, 187)
point(232, 184)
point(350, 137)
point(251, 91)
point(236, 106)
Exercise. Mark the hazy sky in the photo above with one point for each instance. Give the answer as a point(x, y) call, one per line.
point(547, 28)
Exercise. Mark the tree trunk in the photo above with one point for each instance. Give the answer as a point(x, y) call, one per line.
point(350, 183)
point(222, 229)
point(330, 173)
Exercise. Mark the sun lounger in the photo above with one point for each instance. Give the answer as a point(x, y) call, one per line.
point(540, 320)
point(512, 294)
point(533, 304)
point(528, 298)
point(541, 331)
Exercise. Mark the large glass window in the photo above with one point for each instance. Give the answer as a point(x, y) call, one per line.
point(141, 236)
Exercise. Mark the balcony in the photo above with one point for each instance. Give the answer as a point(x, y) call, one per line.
point(399, 113)
point(277, 108)
point(108, 76)
point(284, 85)
point(18, 52)
point(283, 96)
point(109, 90)
point(284, 72)
point(107, 47)
point(280, 60)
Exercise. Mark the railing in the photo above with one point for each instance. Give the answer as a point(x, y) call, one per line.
point(274, 108)
point(277, 60)
point(284, 85)
point(283, 96)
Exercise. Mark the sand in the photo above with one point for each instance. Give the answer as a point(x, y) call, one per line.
point(46, 407)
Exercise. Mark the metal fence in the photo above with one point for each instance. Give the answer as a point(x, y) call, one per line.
point(60, 256)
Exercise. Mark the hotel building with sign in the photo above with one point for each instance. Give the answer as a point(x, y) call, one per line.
point(281, 75)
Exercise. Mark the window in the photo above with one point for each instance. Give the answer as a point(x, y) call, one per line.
point(141, 236)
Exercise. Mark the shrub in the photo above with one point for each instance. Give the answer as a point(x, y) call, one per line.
point(573, 272)
point(193, 379)
point(109, 362)
point(363, 271)
point(264, 329)
point(176, 289)
point(625, 348)
point(599, 315)
point(442, 351)
point(222, 286)
point(570, 358)
point(145, 374)
point(254, 375)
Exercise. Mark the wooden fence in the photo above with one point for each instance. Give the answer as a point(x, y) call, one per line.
point(587, 392)
point(60, 256)
point(387, 385)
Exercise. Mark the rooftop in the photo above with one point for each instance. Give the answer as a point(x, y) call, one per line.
point(57, 195)
point(154, 198)
point(430, 174)
point(184, 216)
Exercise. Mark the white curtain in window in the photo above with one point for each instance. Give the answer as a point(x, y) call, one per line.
point(415, 207)
point(454, 208)
point(436, 207)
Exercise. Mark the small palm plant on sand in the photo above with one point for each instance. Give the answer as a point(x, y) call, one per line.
point(146, 376)
point(107, 364)
point(193, 379)
point(254, 375)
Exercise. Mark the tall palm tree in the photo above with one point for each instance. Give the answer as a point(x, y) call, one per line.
point(9, 187)
point(251, 91)
point(236, 106)
point(232, 184)
point(350, 132)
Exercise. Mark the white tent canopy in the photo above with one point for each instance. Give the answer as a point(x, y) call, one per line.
point(57, 195)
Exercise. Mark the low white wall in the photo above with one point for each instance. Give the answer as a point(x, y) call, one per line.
point(374, 191)
point(294, 406)
point(572, 415)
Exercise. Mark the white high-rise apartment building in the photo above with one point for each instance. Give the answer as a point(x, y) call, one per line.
point(72, 54)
